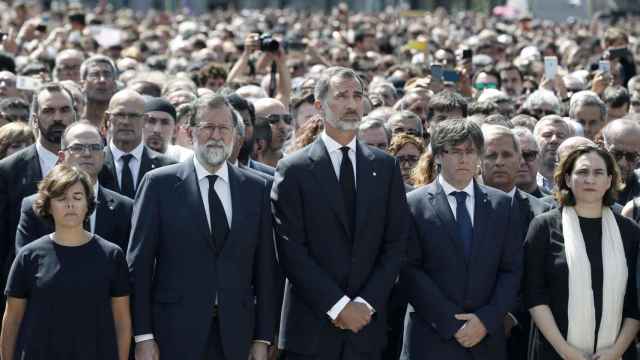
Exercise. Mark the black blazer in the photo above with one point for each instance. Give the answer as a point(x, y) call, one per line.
point(176, 270)
point(440, 282)
point(150, 160)
point(316, 251)
point(20, 174)
point(113, 216)
point(526, 207)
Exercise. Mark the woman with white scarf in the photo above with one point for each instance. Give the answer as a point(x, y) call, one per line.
point(580, 266)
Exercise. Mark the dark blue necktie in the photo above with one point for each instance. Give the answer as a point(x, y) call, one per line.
point(463, 222)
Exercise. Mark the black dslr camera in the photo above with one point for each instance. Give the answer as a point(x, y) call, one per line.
point(268, 43)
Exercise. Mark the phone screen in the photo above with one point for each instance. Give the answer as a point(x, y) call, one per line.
point(450, 76)
point(550, 67)
point(436, 72)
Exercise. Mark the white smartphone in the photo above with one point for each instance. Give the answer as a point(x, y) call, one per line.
point(550, 67)
point(604, 66)
point(27, 83)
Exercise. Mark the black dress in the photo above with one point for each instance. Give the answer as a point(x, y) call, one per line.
point(546, 276)
point(68, 292)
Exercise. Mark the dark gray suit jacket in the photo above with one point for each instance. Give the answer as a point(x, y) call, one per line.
point(322, 259)
point(441, 282)
point(113, 220)
point(177, 271)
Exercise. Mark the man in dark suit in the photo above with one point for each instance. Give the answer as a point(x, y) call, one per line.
point(465, 255)
point(341, 225)
point(82, 147)
point(201, 252)
point(501, 161)
point(52, 111)
point(127, 159)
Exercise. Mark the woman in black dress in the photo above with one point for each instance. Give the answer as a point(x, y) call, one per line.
point(580, 266)
point(67, 292)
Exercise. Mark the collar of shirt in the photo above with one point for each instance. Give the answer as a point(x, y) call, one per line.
point(117, 153)
point(96, 186)
point(333, 145)
point(512, 193)
point(47, 159)
point(202, 172)
point(448, 188)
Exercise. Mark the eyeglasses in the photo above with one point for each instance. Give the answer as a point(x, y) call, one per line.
point(530, 156)
point(81, 148)
point(630, 156)
point(482, 86)
point(407, 159)
point(209, 129)
point(131, 116)
point(275, 118)
point(95, 75)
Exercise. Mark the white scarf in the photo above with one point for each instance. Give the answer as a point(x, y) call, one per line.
point(581, 312)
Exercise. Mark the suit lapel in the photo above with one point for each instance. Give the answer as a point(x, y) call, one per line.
point(33, 171)
point(365, 186)
point(146, 164)
point(481, 217)
point(104, 213)
point(322, 167)
point(239, 204)
point(442, 208)
point(110, 178)
point(188, 191)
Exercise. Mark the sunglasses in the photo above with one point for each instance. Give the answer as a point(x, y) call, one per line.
point(627, 155)
point(482, 86)
point(276, 118)
point(529, 156)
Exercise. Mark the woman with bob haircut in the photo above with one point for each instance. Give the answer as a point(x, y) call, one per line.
point(580, 266)
point(67, 292)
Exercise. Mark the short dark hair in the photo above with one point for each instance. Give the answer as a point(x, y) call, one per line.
point(7, 62)
point(454, 132)
point(145, 87)
point(211, 70)
point(447, 101)
point(504, 67)
point(51, 87)
point(241, 104)
point(563, 193)
point(54, 185)
point(616, 96)
point(97, 59)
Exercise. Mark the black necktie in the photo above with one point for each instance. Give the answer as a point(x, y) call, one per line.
point(348, 185)
point(217, 215)
point(127, 178)
point(464, 227)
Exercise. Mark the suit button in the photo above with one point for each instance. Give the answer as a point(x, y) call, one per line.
point(434, 325)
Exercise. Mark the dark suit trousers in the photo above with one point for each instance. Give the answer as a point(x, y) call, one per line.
point(213, 351)
point(345, 352)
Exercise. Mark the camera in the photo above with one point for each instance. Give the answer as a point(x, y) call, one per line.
point(268, 43)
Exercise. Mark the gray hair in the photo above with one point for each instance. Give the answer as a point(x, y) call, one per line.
point(521, 132)
point(454, 132)
point(322, 86)
point(499, 131)
point(553, 120)
point(405, 115)
point(586, 98)
point(208, 102)
point(372, 123)
point(541, 97)
point(97, 59)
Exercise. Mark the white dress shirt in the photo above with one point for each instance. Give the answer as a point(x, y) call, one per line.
point(335, 154)
point(47, 159)
point(134, 163)
point(223, 190)
point(469, 202)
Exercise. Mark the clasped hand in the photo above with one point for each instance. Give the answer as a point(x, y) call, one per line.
point(354, 317)
point(472, 332)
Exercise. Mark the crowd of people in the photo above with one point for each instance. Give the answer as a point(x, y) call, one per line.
point(278, 184)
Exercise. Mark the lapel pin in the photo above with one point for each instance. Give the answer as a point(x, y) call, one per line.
point(374, 173)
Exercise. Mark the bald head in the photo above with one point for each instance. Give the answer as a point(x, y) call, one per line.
point(620, 128)
point(125, 117)
point(277, 117)
point(571, 144)
point(621, 140)
point(267, 106)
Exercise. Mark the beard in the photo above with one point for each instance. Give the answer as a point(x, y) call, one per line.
point(54, 132)
point(214, 152)
point(348, 122)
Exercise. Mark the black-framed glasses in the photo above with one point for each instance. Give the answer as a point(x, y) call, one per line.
point(408, 159)
point(276, 118)
point(81, 148)
point(530, 156)
point(630, 156)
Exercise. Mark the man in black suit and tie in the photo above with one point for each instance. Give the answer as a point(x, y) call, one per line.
point(127, 159)
point(52, 110)
point(82, 147)
point(500, 164)
point(201, 252)
point(341, 226)
point(465, 255)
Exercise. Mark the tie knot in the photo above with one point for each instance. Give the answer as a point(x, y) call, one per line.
point(345, 150)
point(212, 179)
point(126, 158)
point(460, 196)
